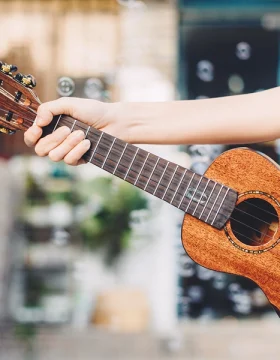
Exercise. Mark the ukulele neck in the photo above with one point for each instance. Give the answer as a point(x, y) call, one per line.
point(205, 199)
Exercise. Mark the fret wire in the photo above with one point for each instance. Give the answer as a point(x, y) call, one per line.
point(191, 199)
point(131, 163)
point(108, 153)
point(175, 192)
point(96, 146)
point(87, 131)
point(141, 169)
point(205, 187)
point(207, 201)
point(151, 174)
point(57, 123)
point(170, 182)
point(161, 178)
point(186, 191)
point(120, 158)
point(220, 206)
point(214, 203)
point(74, 123)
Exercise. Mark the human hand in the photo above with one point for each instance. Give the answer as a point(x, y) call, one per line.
point(67, 146)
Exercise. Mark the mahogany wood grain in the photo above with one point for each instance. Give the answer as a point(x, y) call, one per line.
point(243, 170)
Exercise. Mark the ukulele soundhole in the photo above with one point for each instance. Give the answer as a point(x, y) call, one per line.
point(254, 222)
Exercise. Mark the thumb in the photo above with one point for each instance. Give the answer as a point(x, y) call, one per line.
point(48, 110)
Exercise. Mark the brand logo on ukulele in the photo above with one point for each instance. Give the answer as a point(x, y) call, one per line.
point(196, 196)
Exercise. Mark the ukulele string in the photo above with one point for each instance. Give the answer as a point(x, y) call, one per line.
point(259, 243)
point(268, 212)
point(255, 217)
point(230, 218)
point(32, 121)
point(250, 227)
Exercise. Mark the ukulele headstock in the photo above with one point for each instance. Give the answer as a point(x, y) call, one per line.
point(18, 101)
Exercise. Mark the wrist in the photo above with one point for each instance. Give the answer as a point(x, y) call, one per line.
point(140, 121)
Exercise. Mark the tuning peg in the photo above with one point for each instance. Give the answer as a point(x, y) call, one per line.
point(6, 131)
point(26, 80)
point(7, 69)
point(32, 79)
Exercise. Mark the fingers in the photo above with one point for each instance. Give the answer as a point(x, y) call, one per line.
point(32, 135)
point(64, 145)
point(48, 110)
point(59, 153)
point(48, 143)
point(74, 156)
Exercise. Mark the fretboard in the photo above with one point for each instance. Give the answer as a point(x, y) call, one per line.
point(192, 193)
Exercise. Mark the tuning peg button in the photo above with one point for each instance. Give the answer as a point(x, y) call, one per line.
point(32, 80)
point(6, 131)
point(26, 80)
point(7, 69)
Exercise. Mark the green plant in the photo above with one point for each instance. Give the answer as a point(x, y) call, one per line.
point(109, 225)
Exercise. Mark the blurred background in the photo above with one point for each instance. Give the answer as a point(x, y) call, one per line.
point(90, 267)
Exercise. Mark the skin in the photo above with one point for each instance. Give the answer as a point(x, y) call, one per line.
point(234, 119)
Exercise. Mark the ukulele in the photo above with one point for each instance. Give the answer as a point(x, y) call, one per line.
point(232, 212)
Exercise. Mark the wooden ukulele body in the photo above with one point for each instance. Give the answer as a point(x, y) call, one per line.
point(253, 176)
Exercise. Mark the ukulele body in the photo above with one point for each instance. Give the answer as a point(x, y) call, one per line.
point(238, 248)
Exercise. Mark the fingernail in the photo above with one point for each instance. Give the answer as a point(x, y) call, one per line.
point(65, 130)
point(79, 134)
point(38, 121)
point(36, 131)
point(87, 144)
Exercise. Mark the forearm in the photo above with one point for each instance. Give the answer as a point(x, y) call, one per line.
point(234, 119)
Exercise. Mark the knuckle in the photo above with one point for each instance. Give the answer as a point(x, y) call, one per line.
point(61, 133)
point(54, 156)
point(28, 140)
point(42, 107)
point(40, 151)
point(70, 160)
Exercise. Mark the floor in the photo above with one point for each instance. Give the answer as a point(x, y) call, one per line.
point(224, 340)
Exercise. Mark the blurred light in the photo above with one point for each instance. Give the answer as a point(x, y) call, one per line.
point(271, 21)
point(94, 89)
point(243, 51)
point(205, 70)
point(65, 86)
point(60, 214)
point(186, 266)
point(219, 281)
point(132, 4)
point(234, 290)
point(236, 84)
point(240, 298)
point(196, 293)
point(258, 298)
point(204, 274)
point(60, 237)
